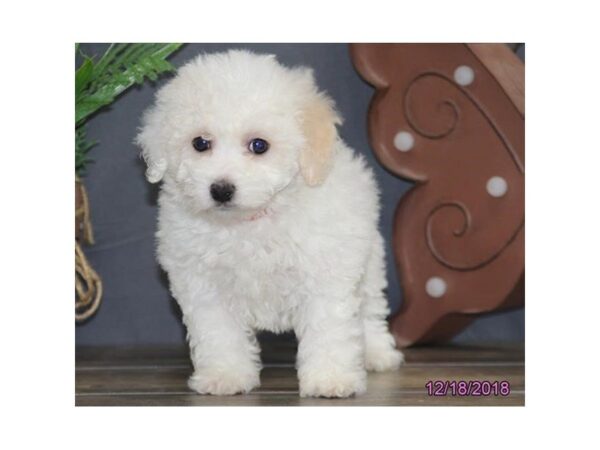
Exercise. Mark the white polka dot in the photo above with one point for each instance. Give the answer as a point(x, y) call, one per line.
point(464, 75)
point(497, 186)
point(435, 287)
point(404, 141)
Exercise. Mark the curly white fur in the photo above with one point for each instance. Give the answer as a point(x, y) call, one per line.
point(297, 248)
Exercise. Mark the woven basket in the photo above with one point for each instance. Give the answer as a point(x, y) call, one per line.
point(88, 285)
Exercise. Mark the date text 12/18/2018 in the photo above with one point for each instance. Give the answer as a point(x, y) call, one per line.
point(472, 388)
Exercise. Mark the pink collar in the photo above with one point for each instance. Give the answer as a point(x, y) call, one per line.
point(258, 215)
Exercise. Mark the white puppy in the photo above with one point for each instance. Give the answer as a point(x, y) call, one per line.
point(267, 221)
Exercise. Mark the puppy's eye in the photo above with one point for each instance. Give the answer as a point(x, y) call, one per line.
point(258, 146)
point(201, 144)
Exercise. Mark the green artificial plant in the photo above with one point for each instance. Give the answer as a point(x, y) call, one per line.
point(99, 83)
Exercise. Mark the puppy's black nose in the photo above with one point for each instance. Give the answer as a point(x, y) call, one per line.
point(222, 191)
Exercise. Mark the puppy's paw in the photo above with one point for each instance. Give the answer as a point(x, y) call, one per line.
point(223, 382)
point(382, 359)
point(333, 383)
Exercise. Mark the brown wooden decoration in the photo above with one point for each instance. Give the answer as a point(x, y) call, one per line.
point(450, 117)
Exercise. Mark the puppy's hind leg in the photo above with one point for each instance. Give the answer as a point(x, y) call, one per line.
point(380, 348)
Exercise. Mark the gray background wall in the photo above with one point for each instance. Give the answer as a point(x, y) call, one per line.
point(137, 308)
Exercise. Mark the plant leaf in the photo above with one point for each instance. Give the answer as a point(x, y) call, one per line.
point(130, 64)
point(83, 75)
point(98, 84)
point(82, 147)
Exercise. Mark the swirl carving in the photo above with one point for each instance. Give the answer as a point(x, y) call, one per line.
point(408, 100)
point(458, 233)
point(449, 104)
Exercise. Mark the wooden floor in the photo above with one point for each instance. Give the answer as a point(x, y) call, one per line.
point(157, 377)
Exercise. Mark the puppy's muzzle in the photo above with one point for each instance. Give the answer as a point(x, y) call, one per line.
point(222, 191)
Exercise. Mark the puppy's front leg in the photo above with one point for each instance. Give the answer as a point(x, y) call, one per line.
point(331, 347)
point(224, 354)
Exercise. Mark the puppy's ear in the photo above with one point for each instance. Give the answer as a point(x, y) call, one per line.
point(149, 139)
point(319, 120)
